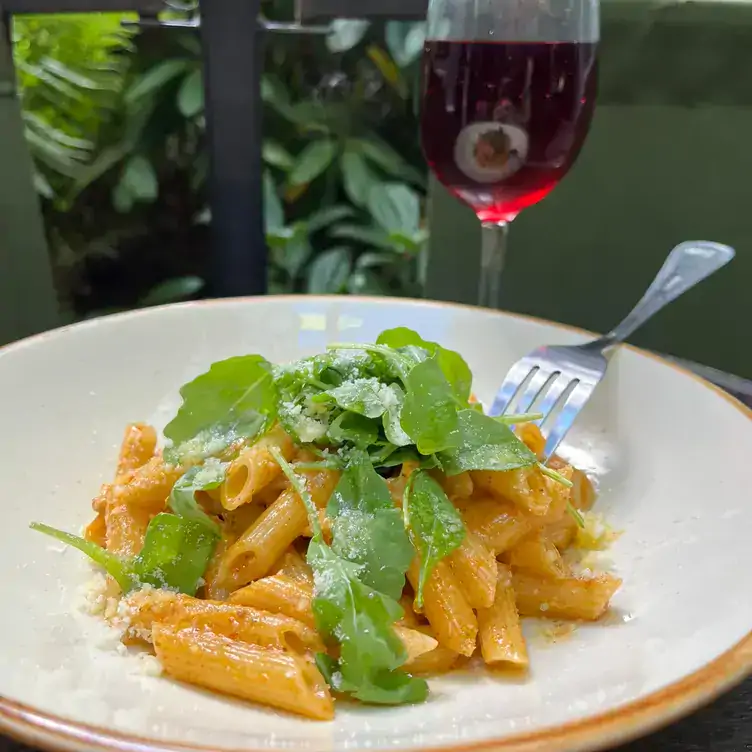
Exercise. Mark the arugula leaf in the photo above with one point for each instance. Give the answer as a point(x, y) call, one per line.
point(435, 526)
point(360, 619)
point(452, 364)
point(363, 396)
point(236, 398)
point(429, 412)
point(367, 528)
point(200, 478)
point(176, 553)
point(485, 444)
point(120, 571)
point(392, 418)
point(357, 429)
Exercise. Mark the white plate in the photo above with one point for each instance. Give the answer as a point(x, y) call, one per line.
point(672, 458)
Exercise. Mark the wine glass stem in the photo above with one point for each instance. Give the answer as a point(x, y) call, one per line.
point(493, 253)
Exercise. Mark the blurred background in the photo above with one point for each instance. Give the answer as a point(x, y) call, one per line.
point(113, 121)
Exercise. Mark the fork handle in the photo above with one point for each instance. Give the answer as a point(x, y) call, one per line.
point(688, 264)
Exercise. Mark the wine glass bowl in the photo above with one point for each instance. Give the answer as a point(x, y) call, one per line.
point(508, 94)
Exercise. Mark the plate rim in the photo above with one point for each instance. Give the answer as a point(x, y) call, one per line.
point(621, 724)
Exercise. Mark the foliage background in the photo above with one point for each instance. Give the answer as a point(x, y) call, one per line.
point(114, 119)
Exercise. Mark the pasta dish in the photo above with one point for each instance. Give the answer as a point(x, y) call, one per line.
point(341, 526)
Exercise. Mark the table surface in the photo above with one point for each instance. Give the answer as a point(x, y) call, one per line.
point(723, 726)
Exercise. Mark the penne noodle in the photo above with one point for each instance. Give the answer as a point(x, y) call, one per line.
point(293, 565)
point(438, 661)
point(565, 598)
point(526, 488)
point(126, 528)
point(561, 533)
point(455, 486)
point(138, 447)
point(270, 677)
point(239, 521)
point(416, 643)
point(149, 485)
point(499, 630)
point(536, 553)
point(146, 608)
point(253, 555)
point(397, 485)
point(474, 566)
point(255, 468)
point(279, 594)
point(583, 493)
point(410, 618)
point(96, 530)
point(498, 524)
point(530, 435)
point(446, 608)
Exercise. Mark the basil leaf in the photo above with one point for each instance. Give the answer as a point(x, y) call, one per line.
point(429, 413)
point(435, 526)
point(176, 553)
point(200, 478)
point(235, 398)
point(120, 571)
point(367, 528)
point(452, 364)
point(362, 432)
point(485, 444)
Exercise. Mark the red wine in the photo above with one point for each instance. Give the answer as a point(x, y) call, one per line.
point(503, 122)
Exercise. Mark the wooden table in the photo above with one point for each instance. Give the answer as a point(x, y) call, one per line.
point(725, 725)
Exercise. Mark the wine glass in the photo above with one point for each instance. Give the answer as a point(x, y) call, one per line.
point(508, 93)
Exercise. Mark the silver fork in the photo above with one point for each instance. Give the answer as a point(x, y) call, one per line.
point(557, 381)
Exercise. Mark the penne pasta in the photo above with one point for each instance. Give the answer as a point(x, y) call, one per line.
point(499, 630)
point(561, 533)
point(455, 486)
point(437, 661)
point(536, 553)
point(255, 468)
point(526, 488)
point(565, 598)
point(270, 677)
point(279, 594)
point(446, 608)
point(253, 555)
point(531, 436)
point(96, 530)
point(138, 447)
point(149, 485)
point(474, 566)
point(498, 524)
point(416, 643)
point(126, 528)
point(293, 565)
point(146, 608)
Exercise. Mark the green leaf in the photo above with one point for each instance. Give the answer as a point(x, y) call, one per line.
point(140, 180)
point(176, 553)
point(345, 34)
point(485, 444)
point(355, 429)
point(329, 271)
point(405, 41)
point(435, 526)
point(274, 213)
point(373, 237)
point(171, 290)
point(191, 94)
point(325, 217)
point(367, 528)
point(453, 365)
point(392, 417)
point(276, 155)
point(365, 396)
point(358, 178)
point(385, 157)
point(395, 207)
point(204, 477)
point(236, 398)
point(155, 78)
point(429, 413)
point(122, 198)
point(119, 570)
point(312, 161)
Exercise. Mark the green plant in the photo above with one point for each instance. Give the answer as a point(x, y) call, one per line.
point(343, 182)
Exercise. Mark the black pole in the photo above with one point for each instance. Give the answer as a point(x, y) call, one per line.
point(233, 63)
